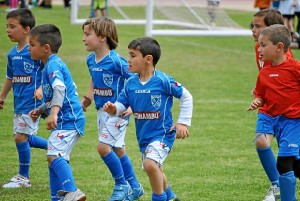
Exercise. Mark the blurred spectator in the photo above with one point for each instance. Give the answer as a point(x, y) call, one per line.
point(275, 4)
point(67, 4)
point(212, 6)
point(100, 7)
point(287, 9)
point(46, 4)
point(262, 4)
point(13, 5)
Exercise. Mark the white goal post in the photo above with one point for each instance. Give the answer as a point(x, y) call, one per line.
point(200, 28)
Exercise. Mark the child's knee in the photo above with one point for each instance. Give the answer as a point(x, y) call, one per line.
point(285, 164)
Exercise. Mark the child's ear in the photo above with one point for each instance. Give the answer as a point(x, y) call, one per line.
point(27, 29)
point(280, 47)
point(47, 48)
point(149, 59)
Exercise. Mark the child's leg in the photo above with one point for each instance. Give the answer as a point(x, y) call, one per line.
point(113, 163)
point(55, 185)
point(64, 172)
point(23, 149)
point(37, 142)
point(263, 141)
point(155, 176)
point(61, 143)
point(268, 162)
point(287, 178)
point(129, 171)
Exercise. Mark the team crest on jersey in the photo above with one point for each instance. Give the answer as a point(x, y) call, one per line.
point(156, 101)
point(108, 79)
point(28, 67)
point(47, 90)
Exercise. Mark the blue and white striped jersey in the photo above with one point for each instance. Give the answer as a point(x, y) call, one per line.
point(108, 75)
point(25, 74)
point(70, 116)
point(151, 105)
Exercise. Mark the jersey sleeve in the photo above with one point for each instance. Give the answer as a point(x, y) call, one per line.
point(123, 97)
point(173, 87)
point(124, 68)
point(55, 75)
point(9, 68)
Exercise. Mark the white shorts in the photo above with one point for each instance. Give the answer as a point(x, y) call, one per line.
point(111, 130)
point(61, 143)
point(156, 151)
point(25, 125)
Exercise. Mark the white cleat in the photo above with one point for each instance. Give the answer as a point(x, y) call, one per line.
point(18, 181)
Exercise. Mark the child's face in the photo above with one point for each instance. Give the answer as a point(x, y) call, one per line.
point(37, 52)
point(136, 61)
point(15, 31)
point(90, 39)
point(267, 51)
point(258, 25)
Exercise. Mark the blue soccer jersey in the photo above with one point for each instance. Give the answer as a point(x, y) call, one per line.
point(26, 78)
point(151, 104)
point(70, 116)
point(108, 76)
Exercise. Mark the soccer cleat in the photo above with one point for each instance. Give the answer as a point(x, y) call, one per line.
point(273, 193)
point(78, 195)
point(136, 193)
point(174, 198)
point(17, 182)
point(120, 192)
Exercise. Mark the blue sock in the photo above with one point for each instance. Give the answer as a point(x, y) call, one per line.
point(55, 185)
point(113, 163)
point(170, 194)
point(37, 142)
point(287, 186)
point(24, 158)
point(64, 173)
point(129, 172)
point(161, 197)
point(268, 162)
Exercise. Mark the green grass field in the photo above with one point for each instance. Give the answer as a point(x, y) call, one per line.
point(217, 162)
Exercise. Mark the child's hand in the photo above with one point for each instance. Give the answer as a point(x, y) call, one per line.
point(256, 103)
point(181, 130)
point(52, 121)
point(128, 112)
point(85, 103)
point(38, 93)
point(109, 107)
point(1, 103)
point(34, 114)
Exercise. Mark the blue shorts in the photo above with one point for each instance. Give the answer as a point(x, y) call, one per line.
point(287, 132)
point(264, 124)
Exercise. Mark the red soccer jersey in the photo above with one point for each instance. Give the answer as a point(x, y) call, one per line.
point(279, 87)
point(260, 64)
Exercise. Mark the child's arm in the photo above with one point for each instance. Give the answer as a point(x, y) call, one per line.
point(56, 104)
point(185, 115)
point(38, 93)
point(256, 103)
point(87, 100)
point(36, 113)
point(115, 109)
point(6, 88)
point(52, 118)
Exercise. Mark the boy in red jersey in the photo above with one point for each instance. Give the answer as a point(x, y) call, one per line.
point(264, 129)
point(278, 88)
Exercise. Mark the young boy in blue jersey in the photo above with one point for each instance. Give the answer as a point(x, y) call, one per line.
point(24, 76)
point(109, 71)
point(150, 93)
point(65, 117)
